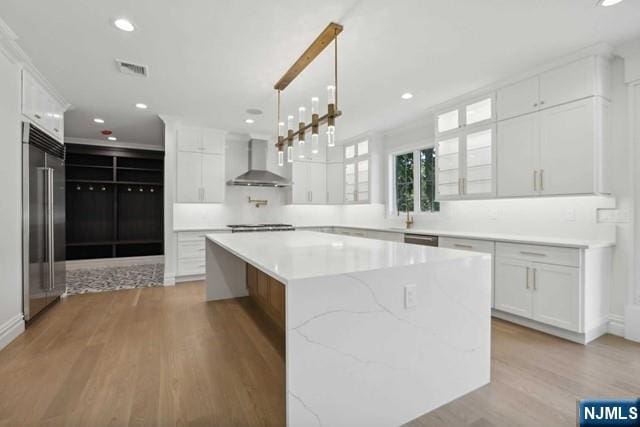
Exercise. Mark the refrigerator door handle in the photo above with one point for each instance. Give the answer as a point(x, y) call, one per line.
point(50, 227)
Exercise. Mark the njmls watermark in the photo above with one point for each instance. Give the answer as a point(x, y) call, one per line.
point(609, 412)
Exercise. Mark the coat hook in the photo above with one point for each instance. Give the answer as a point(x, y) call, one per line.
point(129, 189)
point(104, 188)
point(152, 190)
point(141, 189)
point(78, 188)
point(91, 188)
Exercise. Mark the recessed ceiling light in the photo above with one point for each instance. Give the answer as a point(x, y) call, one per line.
point(97, 120)
point(124, 25)
point(254, 111)
point(141, 106)
point(607, 3)
point(249, 121)
point(407, 95)
point(112, 138)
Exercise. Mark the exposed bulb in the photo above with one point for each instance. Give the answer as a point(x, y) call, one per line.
point(281, 129)
point(280, 158)
point(314, 143)
point(290, 123)
point(331, 136)
point(290, 154)
point(302, 113)
point(331, 94)
point(314, 105)
point(301, 149)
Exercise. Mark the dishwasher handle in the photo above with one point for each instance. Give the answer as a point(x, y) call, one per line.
point(419, 239)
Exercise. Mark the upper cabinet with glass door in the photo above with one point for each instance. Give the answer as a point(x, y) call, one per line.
point(472, 113)
point(465, 153)
point(356, 172)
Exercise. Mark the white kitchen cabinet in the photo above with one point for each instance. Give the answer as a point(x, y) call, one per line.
point(357, 173)
point(555, 295)
point(576, 80)
point(567, 148)
point(213, 183)
point(309, 183)
point(512, 286)
point(189, 177)
point(518, 98)
point(41, 108)
point(558, 290)
point(473, 112)
point(518, 147)
point(473, 245)
point(465, 164)
point(201, 140)
point(335, 183)
point(556, 151)
point(191, 249)
point(200, 167)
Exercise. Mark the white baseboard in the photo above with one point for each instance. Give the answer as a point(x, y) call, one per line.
point(552, 330)
point(114, 262)
point(11, 329)
point(632, 323)
point(191, 278)
point(169, 280)
point(616, 325)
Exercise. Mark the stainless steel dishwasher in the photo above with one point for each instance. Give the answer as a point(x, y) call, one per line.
point(421, 239)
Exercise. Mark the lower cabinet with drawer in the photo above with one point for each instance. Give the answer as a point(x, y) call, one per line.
point(191, 254)
point(558, 290)
point(474, 245)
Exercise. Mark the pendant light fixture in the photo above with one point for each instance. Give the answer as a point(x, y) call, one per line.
point(330, 34)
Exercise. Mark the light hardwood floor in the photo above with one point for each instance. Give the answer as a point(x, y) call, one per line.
point(162, 356)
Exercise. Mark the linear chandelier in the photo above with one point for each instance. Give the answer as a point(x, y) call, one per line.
point(328, 35)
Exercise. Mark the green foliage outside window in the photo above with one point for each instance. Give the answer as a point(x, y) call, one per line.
point(428, 181)
point(405, 185)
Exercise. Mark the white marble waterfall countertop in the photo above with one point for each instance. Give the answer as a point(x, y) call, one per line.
point(290, 255)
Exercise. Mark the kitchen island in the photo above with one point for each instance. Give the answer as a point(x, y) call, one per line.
point(377, 333)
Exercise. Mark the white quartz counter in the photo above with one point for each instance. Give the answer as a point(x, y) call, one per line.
point(290, 255)
point(498, 237)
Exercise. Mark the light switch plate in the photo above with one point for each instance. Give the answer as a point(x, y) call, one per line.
point(410, 297)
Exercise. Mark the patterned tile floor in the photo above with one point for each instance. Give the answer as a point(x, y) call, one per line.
point(87, 280)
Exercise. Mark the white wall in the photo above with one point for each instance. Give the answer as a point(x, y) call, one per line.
point(11, 318)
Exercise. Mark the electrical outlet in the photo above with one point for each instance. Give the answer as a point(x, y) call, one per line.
point(410, 297)
point(570, 215)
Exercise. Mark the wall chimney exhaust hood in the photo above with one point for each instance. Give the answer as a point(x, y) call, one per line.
point(258, 175)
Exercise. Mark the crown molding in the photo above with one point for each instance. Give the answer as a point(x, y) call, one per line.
point(113, 144)
point(10, 47)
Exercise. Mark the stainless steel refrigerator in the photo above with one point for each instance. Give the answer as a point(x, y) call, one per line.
point(43, 209)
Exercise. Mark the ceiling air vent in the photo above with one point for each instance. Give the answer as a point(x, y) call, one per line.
point(131, 68)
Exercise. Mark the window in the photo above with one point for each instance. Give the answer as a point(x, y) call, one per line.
point(428, 181)
point(404, 182)
point(356, 172)
point(414, 181)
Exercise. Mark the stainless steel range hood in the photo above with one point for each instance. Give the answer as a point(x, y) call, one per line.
point(258, 175)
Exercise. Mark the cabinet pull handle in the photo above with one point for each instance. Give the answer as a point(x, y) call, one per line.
point(464, 185)
point(541, 179)
point(541, 102)
point(56, 130)
point(534, 279)
point(535, 104)
point(458, 245)
point(37, 116)
point(535, 180)
point(532, 253)
point(527, 281)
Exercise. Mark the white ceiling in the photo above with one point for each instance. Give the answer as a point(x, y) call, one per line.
point(210, 60)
